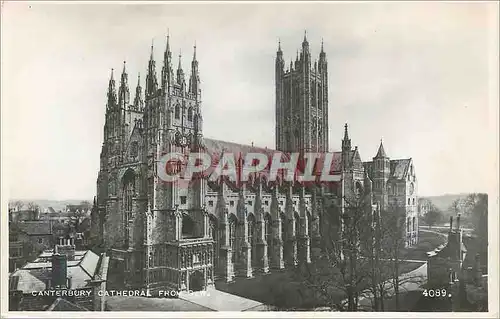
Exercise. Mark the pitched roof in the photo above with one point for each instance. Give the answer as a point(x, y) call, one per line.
point(35, 227)
point(381, 151)
point(33, 276)
point(399, 168)
point(61, 304)
point(217, 147)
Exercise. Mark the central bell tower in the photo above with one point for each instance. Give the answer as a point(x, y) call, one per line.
point(302, 102)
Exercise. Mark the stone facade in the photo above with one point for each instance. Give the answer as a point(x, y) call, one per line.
point(395, 183)
point(162, 236)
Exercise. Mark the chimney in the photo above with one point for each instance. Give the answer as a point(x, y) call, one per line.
point(59, 270)
point(451, 223)
point(458, 222)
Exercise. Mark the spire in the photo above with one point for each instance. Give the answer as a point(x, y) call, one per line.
point(346, 141)
point(381, 151)
point(167, 73)
point(152, 50)
point(305, 36)
point(111, 92)
point(123, 91)
point(180, 72)
point(194, 80)
point(138, 102)
point(322, 48)
point(168, 41)
point(151, 80)
point(194, 51)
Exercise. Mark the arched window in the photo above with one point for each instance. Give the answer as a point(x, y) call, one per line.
point(413, 201)
point(195, 122)
point(128, 194)
point(297, 139)
point(177, 111)
point(408, 221)
point(187, 227)
point(408, 201)
point(190, 114)
point(252, 237)
point(413, 224)
point(284, 227)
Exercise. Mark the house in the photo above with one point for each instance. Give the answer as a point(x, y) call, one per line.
point(26, 240)
point(64, 273)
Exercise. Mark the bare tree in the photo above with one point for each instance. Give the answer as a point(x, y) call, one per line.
point(457, 206)
point(16, 205)
point(433, 215)
point(32, 206)
point(476, 209)
point(341, 270)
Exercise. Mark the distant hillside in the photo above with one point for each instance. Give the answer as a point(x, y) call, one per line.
point(55, 204)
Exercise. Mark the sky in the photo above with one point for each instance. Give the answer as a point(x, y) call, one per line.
point(421, 76)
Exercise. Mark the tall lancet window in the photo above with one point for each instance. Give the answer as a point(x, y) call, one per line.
point(128, 194)
point(190, 114)
point(177, 111)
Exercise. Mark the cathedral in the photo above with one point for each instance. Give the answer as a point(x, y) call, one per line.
point(160, 236)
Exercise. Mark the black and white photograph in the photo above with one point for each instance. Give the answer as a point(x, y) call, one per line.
point(280, 158)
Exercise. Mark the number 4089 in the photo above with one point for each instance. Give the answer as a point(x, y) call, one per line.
point(435, 293)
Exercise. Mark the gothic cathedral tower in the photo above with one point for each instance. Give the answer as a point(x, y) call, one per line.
point(302, 102)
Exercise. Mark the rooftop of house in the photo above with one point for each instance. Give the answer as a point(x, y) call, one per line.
point(34, 227)
point(33, 276)
point(399, 168)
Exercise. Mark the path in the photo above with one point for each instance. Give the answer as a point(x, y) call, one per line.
point(410, 281)
point(217, 300)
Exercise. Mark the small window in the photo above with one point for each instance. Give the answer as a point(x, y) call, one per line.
point(183, 200)
point(40, 240)
point(231, 203)
point(250, 202)
point(211, 203)
point(266, 202)
point(413, 201)
point(295, 202)
point(408, 201)
point(281, 202)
